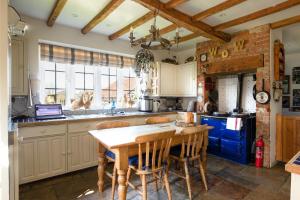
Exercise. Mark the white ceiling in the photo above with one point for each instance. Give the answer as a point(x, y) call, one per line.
point(77, 13)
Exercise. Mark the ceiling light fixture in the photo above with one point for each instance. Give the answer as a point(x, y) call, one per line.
point(155, 41)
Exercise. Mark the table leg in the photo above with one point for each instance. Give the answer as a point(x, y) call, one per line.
point(122, 167)
point(101, 167)
point(204, 149)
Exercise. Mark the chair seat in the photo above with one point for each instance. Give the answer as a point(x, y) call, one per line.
point(176, 150)
point(133, 160)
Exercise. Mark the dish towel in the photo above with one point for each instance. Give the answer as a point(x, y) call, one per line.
point(234, 123)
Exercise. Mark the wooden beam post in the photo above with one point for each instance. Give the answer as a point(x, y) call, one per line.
point(109, 8)
point(59, 5)
point(258, 14)
point(183, 20)
point(135, 24)
point(285, 22)
point(215, 9)
point(174, 3)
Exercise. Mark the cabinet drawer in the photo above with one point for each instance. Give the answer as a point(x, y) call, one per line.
point(231, 148)
point(38, 131)
point(82, 126)
point(213, 144)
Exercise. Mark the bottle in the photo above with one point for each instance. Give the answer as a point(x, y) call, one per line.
point(113, 107)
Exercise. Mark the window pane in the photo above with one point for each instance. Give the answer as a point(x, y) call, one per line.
point(79, 68)
point(126, 83)
point(60, 80)
point(79, 81)
point(50, 96)
point(113, 70)
point(132, 73)
point(89, 69)
point(105, 97)
point(89, 81)
point(132, 83)
point(126, 71)
point(113, 94)
point(113, 82)
point(104, 82)
point(104, 70)
point(49, 79)
point(48, 65)
point(61, 97)
point(61, 67)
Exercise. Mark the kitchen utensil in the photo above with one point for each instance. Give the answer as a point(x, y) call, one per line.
point(156, 105)
point(146, 105)
point(263, 97)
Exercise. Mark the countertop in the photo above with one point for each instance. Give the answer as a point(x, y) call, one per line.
point(293, 166)
point(29, 122)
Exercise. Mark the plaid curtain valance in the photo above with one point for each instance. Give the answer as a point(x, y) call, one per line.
point(67, 55)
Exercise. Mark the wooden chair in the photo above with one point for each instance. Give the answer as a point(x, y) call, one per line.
point(110, 156)
point(186, 154)
point(157, 120)
point(152, 160)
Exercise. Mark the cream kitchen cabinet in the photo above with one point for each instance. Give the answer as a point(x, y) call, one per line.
point(178, 80)
point(42, 152)
point(168, 83)
point(41, 158)
point(19, 73)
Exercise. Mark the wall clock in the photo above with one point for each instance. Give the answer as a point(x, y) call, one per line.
point(203, 57)
point(263, 97)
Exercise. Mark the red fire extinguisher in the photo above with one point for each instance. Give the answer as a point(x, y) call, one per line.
point(259, 160)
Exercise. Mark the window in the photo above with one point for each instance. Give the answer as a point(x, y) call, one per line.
point(109, 84)
point(55, 82)
point(65, 83)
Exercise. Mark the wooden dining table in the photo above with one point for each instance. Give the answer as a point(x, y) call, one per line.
point(121, 141)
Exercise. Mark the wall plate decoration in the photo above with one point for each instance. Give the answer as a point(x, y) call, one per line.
point(203, 57)
point(286, 85)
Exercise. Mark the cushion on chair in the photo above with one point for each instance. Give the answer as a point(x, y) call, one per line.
point(133, 160)
point(176, 150)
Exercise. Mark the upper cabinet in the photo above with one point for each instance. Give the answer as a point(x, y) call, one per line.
point(18, 69)
point(177, 80)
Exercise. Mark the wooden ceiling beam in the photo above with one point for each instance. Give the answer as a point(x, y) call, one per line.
point(258, 14)
point(109, 8)
point(174, 3)
point(59, 5)
point(285, 22)
point(162, 31)
point(135, 24)
point(215, 9)
point(183, 20)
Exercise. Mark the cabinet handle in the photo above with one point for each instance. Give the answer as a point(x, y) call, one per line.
point(63, 153)
point(43, 131)
point(69, 152)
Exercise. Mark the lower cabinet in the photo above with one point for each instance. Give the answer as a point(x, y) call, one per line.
point(42, 157)
point(82, 151)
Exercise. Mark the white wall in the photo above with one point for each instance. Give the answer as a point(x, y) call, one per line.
point(276, 107)
point(184, 54)
point(4, 182)
point(39, 31)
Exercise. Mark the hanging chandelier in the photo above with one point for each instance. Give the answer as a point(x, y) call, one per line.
point(155, 41)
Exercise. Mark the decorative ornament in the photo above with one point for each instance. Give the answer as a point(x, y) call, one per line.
point(144, 61)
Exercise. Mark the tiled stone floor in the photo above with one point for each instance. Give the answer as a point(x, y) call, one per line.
point(226, 180)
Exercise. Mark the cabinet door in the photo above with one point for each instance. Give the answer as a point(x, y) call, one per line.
point(58, 155)
point(88, 150)
point(27, 152)
point(42, 163)
point(18, 70)
point(186, 80)
point(168, 80)
point(74, 161)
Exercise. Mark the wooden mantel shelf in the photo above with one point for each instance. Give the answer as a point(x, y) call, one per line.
point(293, 166)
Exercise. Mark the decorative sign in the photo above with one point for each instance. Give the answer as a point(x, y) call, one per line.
point(238, 46)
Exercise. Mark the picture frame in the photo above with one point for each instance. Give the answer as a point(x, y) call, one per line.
point(286, 101)
point(286, 85)
point(296, 75)
point(203, 57)
point(296, 97)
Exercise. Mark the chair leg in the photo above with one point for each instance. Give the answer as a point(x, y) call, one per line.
point(167, 184)
point(202, 172)
point(187, 177)
point(155, 182)
point(144, 186)
point(114, 180)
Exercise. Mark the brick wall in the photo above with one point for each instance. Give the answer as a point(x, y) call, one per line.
point(257, 41)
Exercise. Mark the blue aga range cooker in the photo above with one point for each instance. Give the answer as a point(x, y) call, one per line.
point(231, 144)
